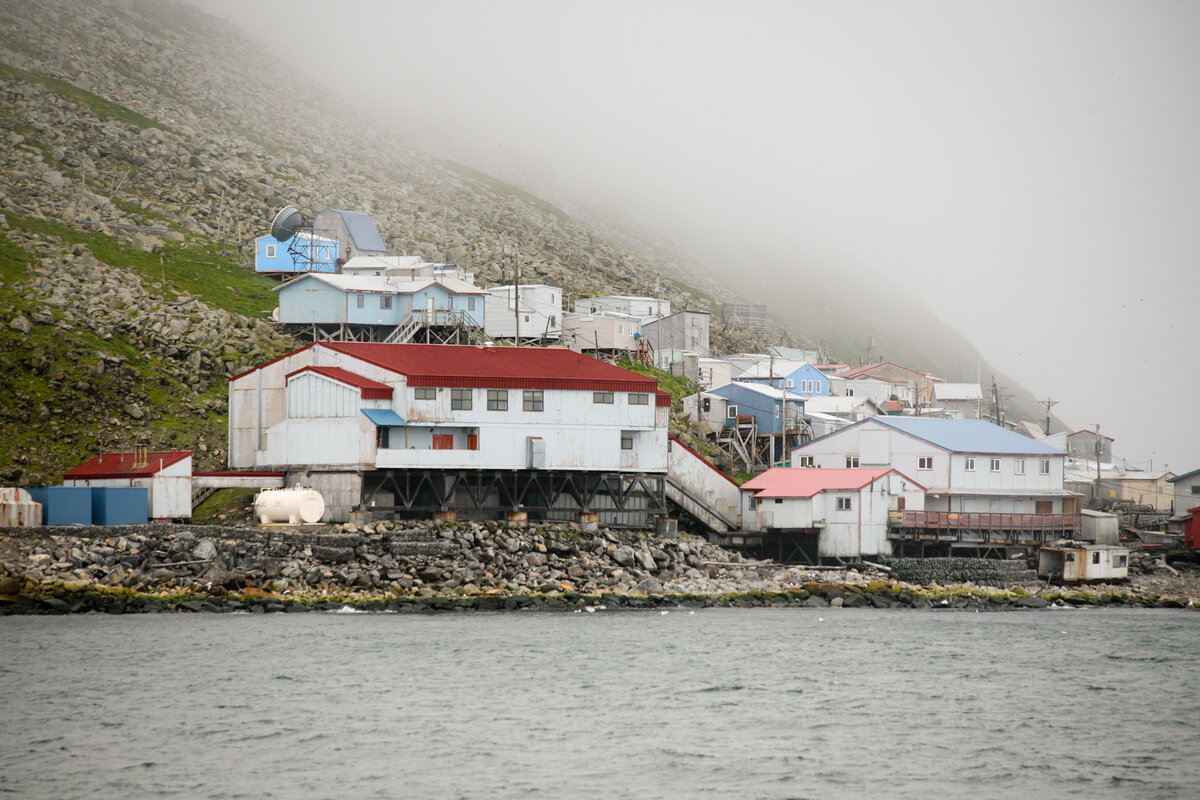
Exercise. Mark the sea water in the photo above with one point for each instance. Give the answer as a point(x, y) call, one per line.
point(721, 703)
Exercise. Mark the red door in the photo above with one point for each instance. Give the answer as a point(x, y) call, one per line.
point(443, 442)
point(472, 441)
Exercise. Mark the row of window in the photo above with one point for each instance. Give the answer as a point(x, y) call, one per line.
point(925, 463)
point(385, 302)
point(446, 441)
point(810, 387)
point(531, 399)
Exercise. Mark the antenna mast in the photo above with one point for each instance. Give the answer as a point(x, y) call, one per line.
point(1048, 403)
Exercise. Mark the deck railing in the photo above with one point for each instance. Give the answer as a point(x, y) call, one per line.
point(969, 520)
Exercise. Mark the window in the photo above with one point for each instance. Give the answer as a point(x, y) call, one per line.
point(995, 465)
point(640, 399)
point(626, 440)
point(843, 504)
point(1196, 489)
point(1044, 467)
point(1019, 467)
point(497, 400)
point(730, 412)
point(806, 461)
point(1095, 556)
point(382, 437)
point(443, 442)
point(527, 318)
point(969, 464)
point(851, 462)
point(360, 300)
point(470, 304)
point(460, 399)
point(385, 301)
point(532, 400)
point(1121, 561)
point(602, 397)
point(270, 251)
point(450, 303)
point(778, 501)
point(925, 462)
point(424, 393)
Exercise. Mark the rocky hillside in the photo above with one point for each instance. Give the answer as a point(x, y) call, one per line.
point(145, 146)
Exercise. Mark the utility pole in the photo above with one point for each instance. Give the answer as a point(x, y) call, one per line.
point(1048, 403)
point(1097, 450)
point(517, 292)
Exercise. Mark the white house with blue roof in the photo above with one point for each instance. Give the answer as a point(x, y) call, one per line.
point(969, 466)
point(354, 231)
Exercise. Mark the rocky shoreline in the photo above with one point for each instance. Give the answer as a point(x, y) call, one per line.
point(431, 567)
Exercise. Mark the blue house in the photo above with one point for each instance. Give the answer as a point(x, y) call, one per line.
point(304, 252)
point(760, 410)
point(797, 376)
point(317, 299)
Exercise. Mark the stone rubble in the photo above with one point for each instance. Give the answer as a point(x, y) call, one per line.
point(463, 565)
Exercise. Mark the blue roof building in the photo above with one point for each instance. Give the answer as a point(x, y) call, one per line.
point(354, 231)
point(797, 377)
point(969, 466)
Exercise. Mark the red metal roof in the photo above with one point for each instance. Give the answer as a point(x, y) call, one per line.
point(127, 465)
point(857, 371)
point(371, 390)
point(806, 482)
point(466, 366)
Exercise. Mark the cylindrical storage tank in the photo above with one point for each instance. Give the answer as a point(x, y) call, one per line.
point(18, 509)
point(293, 506)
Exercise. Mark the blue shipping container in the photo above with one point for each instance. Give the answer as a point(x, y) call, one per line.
point(120, 505)
point(64, 505)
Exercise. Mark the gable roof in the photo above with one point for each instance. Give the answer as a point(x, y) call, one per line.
point(1184, 475)
point(781, 369)
point(1093, 433)
point(378, 284)
point(362, 229)
point(839, 404)
point(967, 436)
point(468, 366)
point(760, 388)
point(807, 482)
point(864, 370)
point(369, 389)
point(957, 391)
point(127, 465)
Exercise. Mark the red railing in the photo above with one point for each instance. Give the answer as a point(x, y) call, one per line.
point(960, 520)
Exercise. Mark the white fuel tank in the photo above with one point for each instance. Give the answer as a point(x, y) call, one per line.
point(17, 508)
point(293, 506)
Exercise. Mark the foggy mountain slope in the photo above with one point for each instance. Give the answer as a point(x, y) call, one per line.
point(147, 144)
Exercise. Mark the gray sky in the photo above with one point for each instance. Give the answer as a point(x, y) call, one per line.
point(1030, 169)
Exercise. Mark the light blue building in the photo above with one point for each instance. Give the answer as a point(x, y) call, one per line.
point(760, 410)
point(368, 300)
point(799, 378)
point(304, 252)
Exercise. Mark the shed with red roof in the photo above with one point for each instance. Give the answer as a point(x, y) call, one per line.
point(166, 474)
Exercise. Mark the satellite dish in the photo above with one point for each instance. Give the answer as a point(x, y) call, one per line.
point(287, 222)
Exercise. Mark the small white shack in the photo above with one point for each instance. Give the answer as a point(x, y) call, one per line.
point(1077, 562)
point(847, 509)
point(166, 474)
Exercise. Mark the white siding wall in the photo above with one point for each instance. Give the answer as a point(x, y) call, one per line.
point(579, 433)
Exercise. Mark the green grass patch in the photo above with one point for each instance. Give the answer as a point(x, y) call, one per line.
point(104, 109)
point(679, 387)
point(223, 504)
point(195, 267)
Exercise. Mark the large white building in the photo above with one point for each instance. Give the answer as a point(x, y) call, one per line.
point(986, 487)
point(967, 465)
point(362, 421)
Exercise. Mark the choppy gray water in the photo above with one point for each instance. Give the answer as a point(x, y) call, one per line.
point(757, 703)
